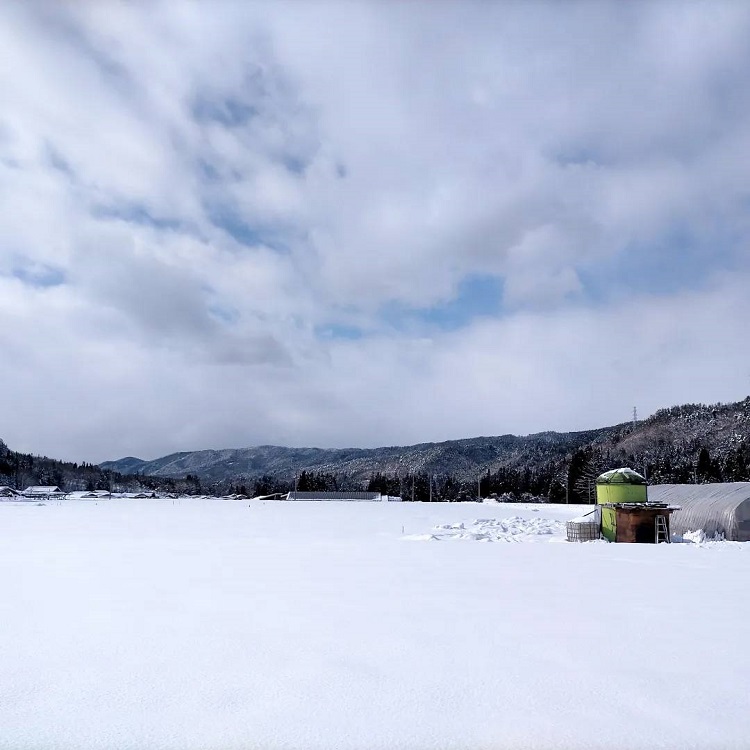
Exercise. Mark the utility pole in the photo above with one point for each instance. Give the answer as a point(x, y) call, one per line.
point(635, 425)
point(479, 488)
point(430, 476)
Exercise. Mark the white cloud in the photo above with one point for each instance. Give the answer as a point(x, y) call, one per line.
point(213, 188)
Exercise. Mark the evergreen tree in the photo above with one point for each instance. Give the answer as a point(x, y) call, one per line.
point(703, 469)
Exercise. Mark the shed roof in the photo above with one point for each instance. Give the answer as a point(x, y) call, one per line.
point(720, 508)
point(42, 490)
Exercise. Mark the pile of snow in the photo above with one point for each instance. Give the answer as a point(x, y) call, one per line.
point(591, 517)
point(508, 497)
point(701, 539)
point(698, 537)
point(513, 529)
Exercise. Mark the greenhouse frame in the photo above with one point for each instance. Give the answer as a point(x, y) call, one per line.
point(721, 508)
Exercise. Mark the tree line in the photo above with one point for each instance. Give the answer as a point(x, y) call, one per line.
point(686, 444)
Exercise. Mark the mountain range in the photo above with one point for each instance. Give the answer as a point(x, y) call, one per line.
point(463, 459)
point(667, 446)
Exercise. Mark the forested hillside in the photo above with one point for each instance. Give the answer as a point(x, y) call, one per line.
point(693, 443)
point(690, 443)
point(20, 470)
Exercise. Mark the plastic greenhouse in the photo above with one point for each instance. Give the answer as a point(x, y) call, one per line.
point(722, 508)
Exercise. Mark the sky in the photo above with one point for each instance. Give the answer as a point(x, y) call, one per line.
point(367, 223)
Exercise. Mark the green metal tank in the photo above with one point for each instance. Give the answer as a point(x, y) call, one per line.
point(621, 486)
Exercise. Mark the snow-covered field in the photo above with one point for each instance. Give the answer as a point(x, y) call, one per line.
point(217, 624)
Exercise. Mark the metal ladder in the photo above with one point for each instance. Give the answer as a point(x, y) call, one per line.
point(662, 532)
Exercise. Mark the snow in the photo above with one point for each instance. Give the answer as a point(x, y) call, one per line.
point(221, 624)
point(590, 516)
point(514, 529)
point(702, 539)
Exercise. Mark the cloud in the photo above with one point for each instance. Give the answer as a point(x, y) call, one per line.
point(366, 223)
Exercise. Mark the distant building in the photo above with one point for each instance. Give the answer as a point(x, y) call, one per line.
point(6, 492)
point(354, 496)
point(43, 492)
point(89, 495)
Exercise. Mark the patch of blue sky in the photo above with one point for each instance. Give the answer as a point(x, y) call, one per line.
point(134, 213)
point(477, 296)
point(295, 164)
point(338, 331)
point(39, 275)
point(57, 161)
point(248, 234)
point(230, 112)
point(223, 313)
point(680, 259)
point(207, 171)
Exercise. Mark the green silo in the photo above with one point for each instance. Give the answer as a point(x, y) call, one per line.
point(621, 486)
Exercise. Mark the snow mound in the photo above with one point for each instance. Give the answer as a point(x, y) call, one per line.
point(420, 538)
point(513, 529)
point(699, 538)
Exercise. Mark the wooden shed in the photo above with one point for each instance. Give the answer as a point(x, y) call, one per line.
point(641, 523)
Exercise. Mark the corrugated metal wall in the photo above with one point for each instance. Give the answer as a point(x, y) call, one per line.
point(334, 495)
point(716, 508)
